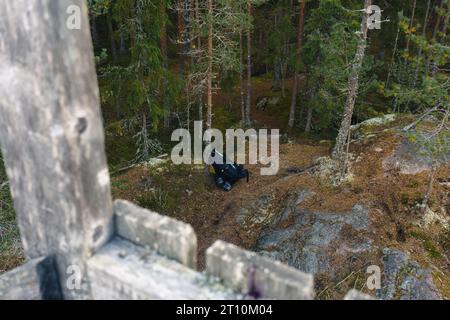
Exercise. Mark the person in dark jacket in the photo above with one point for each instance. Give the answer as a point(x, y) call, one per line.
point(226, 174)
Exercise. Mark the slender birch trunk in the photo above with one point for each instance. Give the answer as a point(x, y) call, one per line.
point(353, 85)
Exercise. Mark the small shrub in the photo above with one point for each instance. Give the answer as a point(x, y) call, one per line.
point(158, 200)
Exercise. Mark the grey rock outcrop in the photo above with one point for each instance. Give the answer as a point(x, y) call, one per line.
point(410, 158)
point(405, 279)
point(310, 242)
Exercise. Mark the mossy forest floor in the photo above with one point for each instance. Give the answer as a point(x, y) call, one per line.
point(187, 193)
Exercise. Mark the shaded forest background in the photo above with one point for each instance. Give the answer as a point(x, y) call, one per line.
point(164, 64)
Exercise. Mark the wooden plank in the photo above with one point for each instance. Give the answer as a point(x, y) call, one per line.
point(35, 280)
point(171, 238)
point(257, 276)
point(52, 135)
point(122, 271)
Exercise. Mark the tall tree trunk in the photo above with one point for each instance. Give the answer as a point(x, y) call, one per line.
point(199, 40)
point(301, 24)
point(308, 120)
point(111, 35)
point(311, 94)
point(133, 31)
point(210, 58)
point(179, 6)
point(404, 68)
point(284, 68)
point(438, 19)
point(411, 23)
point(163, 46)
point(145, 151)
point(186, 48)
point(431, 65)
point(419, 55)
point(446, 20)
point(276, 75)
point(353, 86)
point(199, 45)
point(163, 37)
point(122, 48)
point(249, 67)
point(241, 76)
point(186, 26)
point(394, 52)
point(276, 79)
point(94, 32)
point(260, 45)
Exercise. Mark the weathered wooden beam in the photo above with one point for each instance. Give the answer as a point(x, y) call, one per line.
point(52, 135)
point(122, 270)
point(171, 238)
point(35, 280)
point(257, 276)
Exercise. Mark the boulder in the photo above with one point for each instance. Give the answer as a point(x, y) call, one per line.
point(410, 158)
point(313, 239)
point(256, 213)
point(405, 279)
point(367, 127)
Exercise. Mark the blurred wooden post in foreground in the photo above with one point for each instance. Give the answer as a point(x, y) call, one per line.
point(52, 135)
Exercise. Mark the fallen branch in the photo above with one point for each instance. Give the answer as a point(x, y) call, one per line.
point(124, 169)
point(295, 170)
point(415, 123)
point(342, 281)
point(135, 164)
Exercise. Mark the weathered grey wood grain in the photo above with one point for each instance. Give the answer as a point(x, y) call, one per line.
point(35, 280)
point(257, 276)
point(122, 270)
point(52, 135)
point(169, 237)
